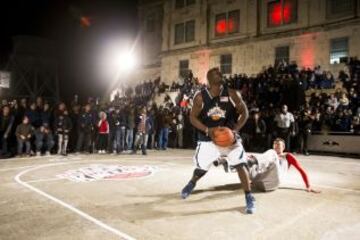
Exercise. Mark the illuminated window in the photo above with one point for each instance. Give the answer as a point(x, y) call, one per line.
point(281, 54)
point(340, 8)
point(183, 68)
point(227, 23)
point(185, 32)
point(339, 48)
point(220, 24)
point(281, 12)
point(183, 3)
point(226, 63)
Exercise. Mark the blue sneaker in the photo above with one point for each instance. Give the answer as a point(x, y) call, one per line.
point(250, 204)
point(187, 190)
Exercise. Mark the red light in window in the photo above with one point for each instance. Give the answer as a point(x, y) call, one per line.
point(287, 12)
point(276, 14)
point(307, 54)
point(231, 25)
point(221, 26)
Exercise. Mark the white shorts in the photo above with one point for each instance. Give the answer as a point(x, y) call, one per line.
point(207, 152)
point(266, 175)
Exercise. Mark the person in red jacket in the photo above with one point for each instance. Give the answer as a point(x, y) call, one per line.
point(268, 170)
point(103, 128)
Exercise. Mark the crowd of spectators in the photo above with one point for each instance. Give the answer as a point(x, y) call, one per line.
point(130, 122)
point(277, 100)
point(275, 90)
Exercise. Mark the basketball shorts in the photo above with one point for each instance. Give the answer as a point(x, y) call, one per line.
point(207, 152)
point(265, 175)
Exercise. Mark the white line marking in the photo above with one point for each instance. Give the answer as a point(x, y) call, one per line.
point(66, 205)
point(15, 168)
point(44, 180)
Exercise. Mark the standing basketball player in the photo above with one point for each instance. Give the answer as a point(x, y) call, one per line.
point(213, 107)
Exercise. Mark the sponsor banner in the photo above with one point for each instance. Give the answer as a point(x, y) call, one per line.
point(97, 172)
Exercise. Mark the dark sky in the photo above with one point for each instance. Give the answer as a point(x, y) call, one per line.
point(78, 45)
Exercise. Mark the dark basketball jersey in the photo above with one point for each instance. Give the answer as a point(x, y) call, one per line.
point(217, 111)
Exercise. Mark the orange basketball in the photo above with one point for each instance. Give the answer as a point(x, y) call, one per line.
point(223, 137)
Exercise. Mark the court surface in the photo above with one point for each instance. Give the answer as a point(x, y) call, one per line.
point(137, 197)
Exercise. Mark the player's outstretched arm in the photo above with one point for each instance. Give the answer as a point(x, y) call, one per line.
point(294, 162)
point(241, 109)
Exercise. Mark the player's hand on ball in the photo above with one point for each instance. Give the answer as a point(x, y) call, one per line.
point(211, 133)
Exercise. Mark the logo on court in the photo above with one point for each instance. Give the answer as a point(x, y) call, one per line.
point(97, 172)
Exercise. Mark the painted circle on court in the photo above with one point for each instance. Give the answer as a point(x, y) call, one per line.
point(97, 172)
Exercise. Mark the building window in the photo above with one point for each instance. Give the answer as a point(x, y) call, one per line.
point(227, 23)
point(282, 54)
point(190, 31)
point(233, 21)
point(185, 32)
point(179, 33)
point(226, 63)
point(150, 24)
point(183, 3)
point(339, 48)
point(183, 68)
point(339, 8)
point(281, 12)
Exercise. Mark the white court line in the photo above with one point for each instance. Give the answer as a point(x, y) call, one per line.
point(45, 180)
point(15, 168)
point(79, 160)
point(66, 205)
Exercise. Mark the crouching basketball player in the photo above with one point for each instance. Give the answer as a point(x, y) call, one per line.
point(214, 107)
point(268, 170)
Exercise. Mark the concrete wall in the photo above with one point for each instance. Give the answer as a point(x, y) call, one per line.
point(307, 50)
point(254, 46)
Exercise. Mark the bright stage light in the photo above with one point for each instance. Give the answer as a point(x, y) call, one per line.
point(124, 61)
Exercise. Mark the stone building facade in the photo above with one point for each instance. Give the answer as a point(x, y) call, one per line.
point(243, 36)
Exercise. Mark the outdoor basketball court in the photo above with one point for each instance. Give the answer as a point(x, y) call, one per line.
point(137, 197)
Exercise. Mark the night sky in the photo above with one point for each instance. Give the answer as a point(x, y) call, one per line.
point(79, 29)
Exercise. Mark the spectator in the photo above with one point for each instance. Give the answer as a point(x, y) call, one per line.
point(24, 132)
point(130, 128)
point(164, 125)
point(6, 124)
point(42, 134)
point(180, 129)
point(343, 101)
point(333, 102)
point(143, 127)
point(305, 126)
point(63, 127)
point(356, 125)
point(285, 125)
point(103, 130)
point(85, 130)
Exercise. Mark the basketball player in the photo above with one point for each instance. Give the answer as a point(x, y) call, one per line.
point(268, 170)
point(213, 107)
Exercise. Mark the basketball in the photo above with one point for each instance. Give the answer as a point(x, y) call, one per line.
point(223, 137)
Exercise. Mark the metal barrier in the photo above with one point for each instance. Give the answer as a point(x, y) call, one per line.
point(336, 142)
